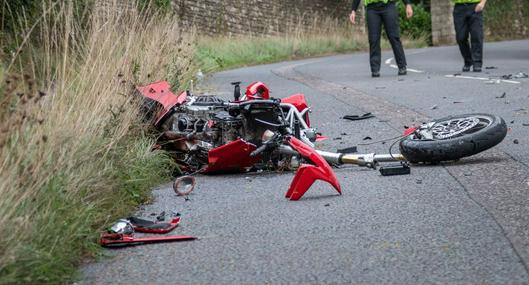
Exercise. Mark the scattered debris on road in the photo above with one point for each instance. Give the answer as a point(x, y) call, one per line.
point(122, 232)
point(352, 149)
point(358, 117)
point(395, 169)
point(516, 141)
point(502, 96)
point(491, 67)
point(518, 75)
point(434, 107)
point(184, 185)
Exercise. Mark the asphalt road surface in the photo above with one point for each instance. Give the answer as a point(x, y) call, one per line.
point(464, 222)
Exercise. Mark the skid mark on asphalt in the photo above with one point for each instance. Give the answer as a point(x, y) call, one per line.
point(502, 198)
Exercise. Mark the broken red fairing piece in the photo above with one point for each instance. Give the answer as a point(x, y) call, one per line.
point(115, 240)
point(308, 174)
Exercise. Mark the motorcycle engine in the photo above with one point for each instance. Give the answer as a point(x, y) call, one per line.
point(206, 119)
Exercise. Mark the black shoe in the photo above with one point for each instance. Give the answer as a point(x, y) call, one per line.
point(477, 69)
point(403, 71)
point(375, 74)
point(466, 68)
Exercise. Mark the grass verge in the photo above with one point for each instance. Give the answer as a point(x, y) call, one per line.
point(73, 151)
point(323, 37)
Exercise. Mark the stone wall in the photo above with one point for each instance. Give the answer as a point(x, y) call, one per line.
point(442, 22)
point(258, 17)
point(504, 20)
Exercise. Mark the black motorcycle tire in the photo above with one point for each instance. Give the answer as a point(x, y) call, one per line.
point(434, 151)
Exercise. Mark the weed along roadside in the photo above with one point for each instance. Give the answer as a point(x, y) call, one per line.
point(74, 154)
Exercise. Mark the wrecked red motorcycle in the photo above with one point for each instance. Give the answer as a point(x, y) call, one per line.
point(253, 131)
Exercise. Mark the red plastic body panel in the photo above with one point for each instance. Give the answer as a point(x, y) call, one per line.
point(308, 174)
point(320, 138)
point(161, 93)
point(232, 157)
point(172, 225)
point(254, 88)
point(410, 131)
point(299, 101)
point(123, 240)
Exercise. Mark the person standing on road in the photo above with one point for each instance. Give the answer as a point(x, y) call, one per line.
point(383, 12)
point(468, 21)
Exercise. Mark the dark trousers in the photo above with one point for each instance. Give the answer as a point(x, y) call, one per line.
point(469, 23)
point(389, 16)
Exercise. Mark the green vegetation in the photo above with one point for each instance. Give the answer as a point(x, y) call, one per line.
point(331, 37)
point(508, 19)
point(74, 155)
point(419, 26)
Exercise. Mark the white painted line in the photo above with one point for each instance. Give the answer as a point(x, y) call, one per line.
point(466, 77)
point(481, 78)
point(389, 60)
point(511, 81)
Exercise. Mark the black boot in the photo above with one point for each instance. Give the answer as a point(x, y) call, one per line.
point(403, 71)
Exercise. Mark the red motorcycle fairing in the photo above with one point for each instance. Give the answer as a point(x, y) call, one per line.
point(161, 93)
point(116, 240)
point(308, 174)
point(231, 157)
point(299, 101)
point(257, 90)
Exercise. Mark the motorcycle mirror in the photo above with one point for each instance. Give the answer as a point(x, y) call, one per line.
point(184, 185)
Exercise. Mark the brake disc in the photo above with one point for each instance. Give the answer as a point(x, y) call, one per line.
point(454, 127)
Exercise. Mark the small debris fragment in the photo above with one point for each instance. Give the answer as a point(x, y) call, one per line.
point(337, 139)
point(512, 122)
point(502, 96)
point(352, 149)
point(343, 134)
point(516, 141)
point(525, 124)
point(327, 205)
point(161, 217)
point(418, 181)
point(457, 74)
point(521, 75)
point(467, 174)
point(491, 67)
point(434, 107)
point(458, 102)
point(367, 138)
point(357, 117)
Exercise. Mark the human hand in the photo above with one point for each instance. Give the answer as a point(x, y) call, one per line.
point(352, 17)
point(479, 7)
point(409, 11)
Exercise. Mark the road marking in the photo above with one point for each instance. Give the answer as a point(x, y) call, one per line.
point(389, 60)
point(481, 78)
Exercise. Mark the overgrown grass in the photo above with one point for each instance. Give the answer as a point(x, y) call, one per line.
point(73, 153)
point(323, 37)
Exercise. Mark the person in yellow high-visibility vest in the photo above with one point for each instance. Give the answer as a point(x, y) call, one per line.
point(383, 12)
point(468, 22)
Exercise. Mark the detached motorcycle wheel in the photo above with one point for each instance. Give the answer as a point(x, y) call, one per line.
point(454, 137)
